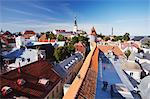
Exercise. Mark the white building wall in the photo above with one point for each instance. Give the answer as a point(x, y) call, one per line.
point(135, 75)
point(28, 54)
point(20, 41)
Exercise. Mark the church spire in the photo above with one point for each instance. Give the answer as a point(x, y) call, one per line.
point(75, 21)
point(75, 28)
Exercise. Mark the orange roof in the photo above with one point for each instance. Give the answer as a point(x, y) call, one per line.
point(43, 37)
point(29, 32)
point(31, 73)
point(106, 48)
point(93, 31)
point(80, 47)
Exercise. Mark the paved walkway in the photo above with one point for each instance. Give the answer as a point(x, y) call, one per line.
point(109, 74)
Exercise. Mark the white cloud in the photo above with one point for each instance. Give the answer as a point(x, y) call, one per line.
point(137, 28)
point(19, 11)
point(43, 8)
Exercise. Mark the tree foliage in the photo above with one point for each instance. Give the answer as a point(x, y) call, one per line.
point(60, 37)
point(70, 49)
point(82, 39)
point(51, 36)
point(126, 37)
point(74, 40)
point(106, 38)
point(101, 35)
point(61, 53)
point(127, 53)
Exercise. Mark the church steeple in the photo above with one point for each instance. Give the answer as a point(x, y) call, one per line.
point(75, 28)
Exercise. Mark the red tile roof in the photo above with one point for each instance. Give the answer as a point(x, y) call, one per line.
point(80, 47)
point(31, 74)
point(7, 33)
point(43, 38)
point(125, 45)
point(115, 49)
point(28, 33)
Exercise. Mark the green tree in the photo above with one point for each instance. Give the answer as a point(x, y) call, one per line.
point(70, 49)
point(60, 53)
point(51, 36)
point(106, 38)
point(100, 35)
point(60, 37)
point(126, 37)
point(74, 40)
point(127, 53)
point(83, 39)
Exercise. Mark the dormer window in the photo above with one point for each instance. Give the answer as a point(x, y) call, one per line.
point(28, 59)
point(44, 81)
point(21, 82)
point(76, 58)
point(66, 67)
point(23, 59)
point(6, 90)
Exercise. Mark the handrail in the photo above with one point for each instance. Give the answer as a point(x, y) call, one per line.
point(75, 86)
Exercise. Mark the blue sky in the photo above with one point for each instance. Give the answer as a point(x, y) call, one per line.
point(131, 16)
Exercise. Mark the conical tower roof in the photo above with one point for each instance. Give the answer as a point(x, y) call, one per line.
point(93, 31)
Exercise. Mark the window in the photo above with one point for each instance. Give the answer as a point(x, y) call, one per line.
point(53, 94)
point(131, 73)
point(23, 59)
point(28, 59)
point(57, 89)
point(48, 97)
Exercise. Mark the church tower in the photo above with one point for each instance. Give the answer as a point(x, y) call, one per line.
point(75, 28)
point(92, 36)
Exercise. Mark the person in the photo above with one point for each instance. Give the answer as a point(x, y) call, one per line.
point(105, 84)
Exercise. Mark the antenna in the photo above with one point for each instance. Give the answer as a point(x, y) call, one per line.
point(112, 32)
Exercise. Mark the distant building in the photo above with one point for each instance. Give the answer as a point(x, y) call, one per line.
point(28, 33)
point(68, 69)
point(120, 91)
point(145, 43)
point(20, 41)
point(137, 38)
point(55, 43)
point(8, 40)
point(80, 47)
point(133, 47)
point(144, 60)
point(22, 57)
point(65, 33)
point(92, 36)
point(144, 88)
point(132, 69)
